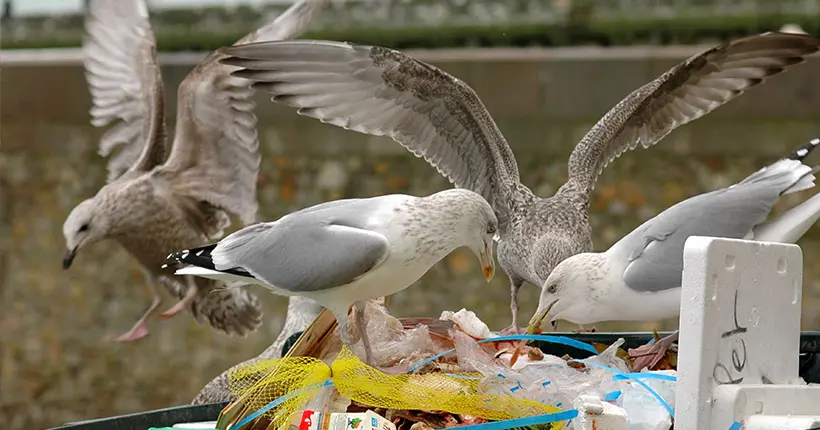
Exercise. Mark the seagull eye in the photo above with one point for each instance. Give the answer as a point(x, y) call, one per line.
point(83, 227)
point(491, 229)
point(552, 288)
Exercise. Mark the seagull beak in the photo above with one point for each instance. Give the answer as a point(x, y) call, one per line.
point(68, 257)
point(534, 326)
point(487, 261)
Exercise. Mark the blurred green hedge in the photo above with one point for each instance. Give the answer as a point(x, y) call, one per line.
point(622, 31)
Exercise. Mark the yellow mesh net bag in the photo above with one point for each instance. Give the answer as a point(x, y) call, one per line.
point(268, 380)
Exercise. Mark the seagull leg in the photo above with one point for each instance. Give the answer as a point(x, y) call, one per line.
point(515, 286)
point(341, 315)
point(187, 299)
point(361, 325)
point(140, 328)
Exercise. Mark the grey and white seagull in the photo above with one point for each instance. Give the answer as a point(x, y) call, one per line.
point(380, 91)
point(345, 252)
point(639, 277)
point(161, 199)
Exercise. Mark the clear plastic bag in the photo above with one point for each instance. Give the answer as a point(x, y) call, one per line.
point(390, 343)
point(644, 410)
point(548, 379)
point(328, 400)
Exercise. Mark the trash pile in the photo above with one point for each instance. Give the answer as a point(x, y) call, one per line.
point(451, 371)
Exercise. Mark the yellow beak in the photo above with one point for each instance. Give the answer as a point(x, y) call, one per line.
point(534, 326)
point(487, 263)
point(536, 320)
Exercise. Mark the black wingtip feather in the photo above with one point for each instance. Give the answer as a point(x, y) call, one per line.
point(803, 151)
point(201, 257)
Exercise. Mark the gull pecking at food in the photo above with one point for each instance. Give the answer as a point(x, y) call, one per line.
point(345, 252)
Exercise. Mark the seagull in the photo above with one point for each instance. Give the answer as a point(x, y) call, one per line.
point(383, 92)
point(159, 199)
point(348, 251)
point(639, 277)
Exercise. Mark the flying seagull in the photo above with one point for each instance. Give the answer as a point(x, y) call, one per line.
point(159, 199)
point(639, 277)
point(382, 92)
point(346, 252)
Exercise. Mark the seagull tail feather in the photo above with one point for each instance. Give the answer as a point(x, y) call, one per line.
point(790, 226)
point(227, 308)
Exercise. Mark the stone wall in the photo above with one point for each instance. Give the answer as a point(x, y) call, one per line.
point(57, 365)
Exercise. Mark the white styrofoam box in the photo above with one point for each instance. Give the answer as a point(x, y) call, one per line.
point(740, 320)
point(596, 414)
point(797, 422)
point(747, 403)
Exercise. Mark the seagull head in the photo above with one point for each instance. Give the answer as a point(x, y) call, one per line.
point(84, 225)
point(566, 292)
point(483, 229)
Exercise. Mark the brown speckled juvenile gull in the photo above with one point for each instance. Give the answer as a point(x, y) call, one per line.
point(153, 205)
point(301, 313)
point(345, 252)
point(383, 92)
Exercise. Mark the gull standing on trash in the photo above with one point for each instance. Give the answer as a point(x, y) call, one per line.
point(382, 92)
point(153, 205)
point(639, 277)
point(346, 252)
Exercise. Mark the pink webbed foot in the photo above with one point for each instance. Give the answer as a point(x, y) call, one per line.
point(183, 303)
point(140, 328)
point(138, 331)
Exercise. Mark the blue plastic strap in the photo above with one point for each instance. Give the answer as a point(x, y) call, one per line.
point(277, 402)
point(612, 396)
point(737, 425)
point(645, 375)
point(562, 340)
point(637, 381)
point(524, 422)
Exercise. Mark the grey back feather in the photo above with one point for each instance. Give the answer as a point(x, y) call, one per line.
point(312, 251)
point(655, 249)
point(685, 93)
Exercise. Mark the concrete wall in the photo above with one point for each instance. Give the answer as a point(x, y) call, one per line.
point(56, 363)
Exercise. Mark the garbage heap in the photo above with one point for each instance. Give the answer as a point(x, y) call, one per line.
point(450, 371)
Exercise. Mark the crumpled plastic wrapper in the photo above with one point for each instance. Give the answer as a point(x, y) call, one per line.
point(548, 379)
point(394, 347)
point(468, 323)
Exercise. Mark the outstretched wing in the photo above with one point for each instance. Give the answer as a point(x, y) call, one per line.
point(688, 91)
point(215, 157)
point(382, 92)
point(126, 86)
